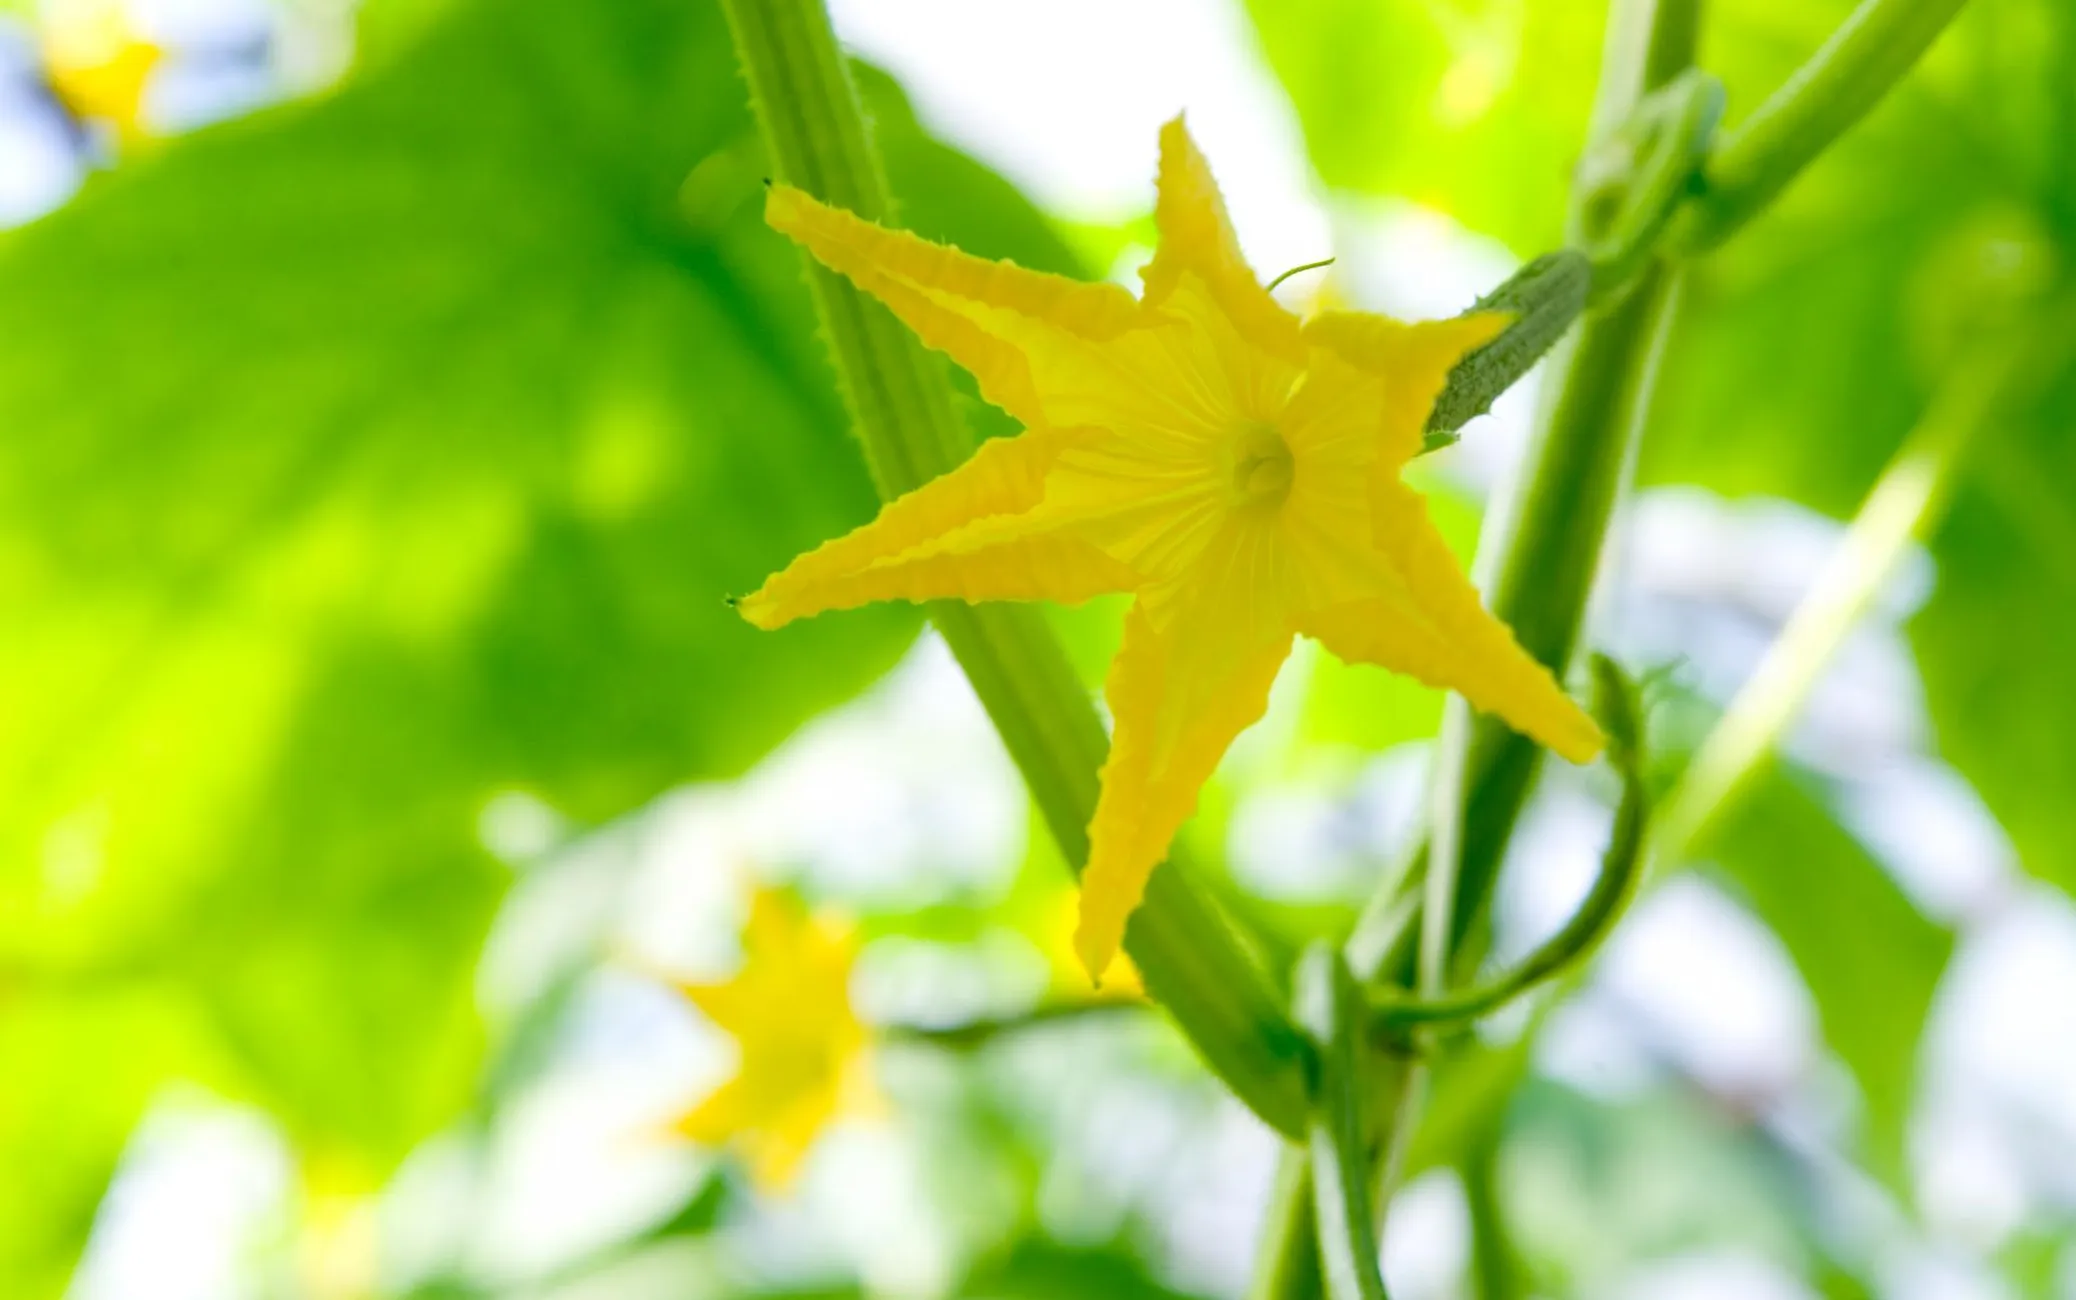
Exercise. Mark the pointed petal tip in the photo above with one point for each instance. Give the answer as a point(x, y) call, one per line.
point(1095, 950)
point(1582, 743)
point(784, 205)
point(1567, 731)
point(759, 610)
point(1476, 329)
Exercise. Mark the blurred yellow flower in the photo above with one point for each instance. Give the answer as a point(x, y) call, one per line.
point(801, 1049)
point(1234, 468)
point(97, 64)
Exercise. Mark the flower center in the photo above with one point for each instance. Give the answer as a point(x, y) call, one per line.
point(1261, 465)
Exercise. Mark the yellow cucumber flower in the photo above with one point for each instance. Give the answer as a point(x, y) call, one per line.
point(801, 1047)
point(97, 64)
point(1234, 468)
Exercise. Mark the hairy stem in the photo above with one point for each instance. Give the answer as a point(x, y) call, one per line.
point(902, 403)
point(1545, 297)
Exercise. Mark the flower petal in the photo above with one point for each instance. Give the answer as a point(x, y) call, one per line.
point(1423, 618)
point(1179, 695)
point(969, 535)
point(797, 1039)
point(1196, 235)
point(987, 315)
point(1397, 369)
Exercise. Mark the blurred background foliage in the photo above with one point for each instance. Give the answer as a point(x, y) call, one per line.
point(374, 462)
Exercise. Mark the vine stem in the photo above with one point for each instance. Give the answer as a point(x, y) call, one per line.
point(1543, 552)
point(899, 396)
point(1495, 1270)
point(981, 1033)
point(1846, 77)
point(1620, 708)
point(1331, 1006)
point(1542, 557)
point(1286, 1264)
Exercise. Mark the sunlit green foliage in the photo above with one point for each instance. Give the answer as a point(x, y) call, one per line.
point(367, 459)
point(375, 461)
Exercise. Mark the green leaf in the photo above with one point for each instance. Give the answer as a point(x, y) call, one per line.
point(81, 1063)
point(1476, 109)
point(1594, 1188)
point(401, 449)
point(1852, 299)
point(1473, 1084)
point(1035, 1269)
point(367, 458)
point(1871, 960)
point(1993, 639)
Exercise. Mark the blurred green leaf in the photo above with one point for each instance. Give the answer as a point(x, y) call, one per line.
point(1474, 108)
point(403, 452)
point(1846, 298)
point(365, 459)
point(1812, 344)
point(1808, 346)
point(1595, 1187)
point(1806, 350)
point(80, 1064)
point(1473, 1084)
point(1871, 960)
point(1040, 1270)
point(1993, 640)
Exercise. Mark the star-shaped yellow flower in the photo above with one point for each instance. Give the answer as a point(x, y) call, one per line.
point(801, 1047)
point(1234, 468)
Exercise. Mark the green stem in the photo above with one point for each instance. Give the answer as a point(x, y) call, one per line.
point(903, 406)
point(979, 1033)
point(1583, 934)
point(1287, 1267)
point(1548, 548)
point(1330, 1005)
point(1545, 549)
point(1495, 1268)
point(1629, 187)
point(1905, 504)
point(1540, 553)
point(1650, 44)
point(1867, 55)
